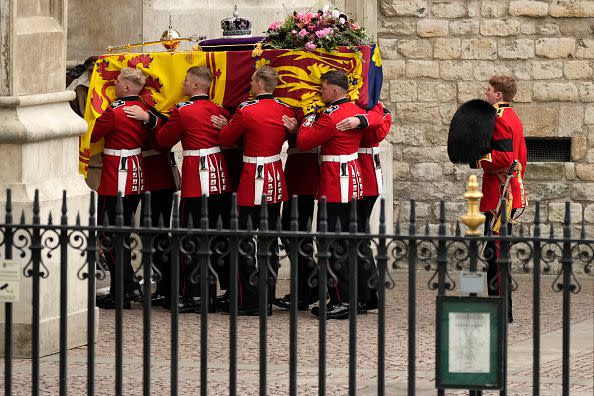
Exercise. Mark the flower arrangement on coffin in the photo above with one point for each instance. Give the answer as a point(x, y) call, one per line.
point(326, 29)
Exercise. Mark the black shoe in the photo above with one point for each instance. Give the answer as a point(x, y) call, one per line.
point(361, 308)
point(285, 302)
point(222, 301)
point(334, 311)
point(110, 303)
point(184, 305)
point(373, 302)
point(134, 295)
point(158, 299)
point(510, 318)
point(212, 305)
point(249, 310)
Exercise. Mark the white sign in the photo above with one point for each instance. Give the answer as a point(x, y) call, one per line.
point(472, 282)
point(469, 342)
point(10, 280)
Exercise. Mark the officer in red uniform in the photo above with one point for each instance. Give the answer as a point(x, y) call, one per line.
point(297, 165)
point(379, 120)
point(508, 144)
point(260, 123)
point(122, 168)
point(204, 171)
point(340, 174)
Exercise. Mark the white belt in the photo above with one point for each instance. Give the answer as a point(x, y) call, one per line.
point(204, 169)
point(344, 172)
point(294, 150)
point(123, 165)
point(149, 153)
point(259, 174)
point(201, 152)
point(377, 165)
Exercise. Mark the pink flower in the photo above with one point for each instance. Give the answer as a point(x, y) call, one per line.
point(301, 15)
point(355, 26)
point(302, 33)
point(324, 32)
point(274, 26)
point(310, 46)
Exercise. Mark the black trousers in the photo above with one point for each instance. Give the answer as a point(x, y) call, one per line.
point(492, 252)
point(161, 204)
point(366, 270)
point(248, 293)
point(338, 290)
point(305, 263)
point(192, 208)
point(107, 210)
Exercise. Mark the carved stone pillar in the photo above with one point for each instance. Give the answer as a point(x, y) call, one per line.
point(38, 150)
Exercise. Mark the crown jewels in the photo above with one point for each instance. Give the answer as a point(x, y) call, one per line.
point(236, 26)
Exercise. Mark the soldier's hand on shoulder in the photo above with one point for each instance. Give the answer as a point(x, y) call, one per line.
point(218, 121)
point(137, 113)
point(291, 124)
point(348, 123)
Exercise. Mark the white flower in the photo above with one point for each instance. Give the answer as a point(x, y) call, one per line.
point(326, 8)
point(342, 21)
point(335, 14)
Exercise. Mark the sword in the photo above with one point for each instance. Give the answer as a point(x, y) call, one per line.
point(508, 177)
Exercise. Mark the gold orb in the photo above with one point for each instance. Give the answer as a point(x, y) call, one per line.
point(168, 39)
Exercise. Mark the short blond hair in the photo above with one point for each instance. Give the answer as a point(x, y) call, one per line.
point(134, 76)
point(202, 73)
point(268, 76)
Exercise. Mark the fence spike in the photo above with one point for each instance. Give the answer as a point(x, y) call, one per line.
point(132, 220)
point(537, 213)
point(234, 221)
point(146, 219)
point(219, 224)
point(278, 224)
point(204, 213)
point(264, 214)
point(583, 230)
point(338, 226)
point(427, 228)
point(458, 230)
point(49, 219)
point(119, 212)
point(308, 225)
point(36, 208)
point(8, 206)
point(22, 217)
point(353, 216)
point(323, 224)
point(442, 223)
point(92, 206)
point(552, 231)
point(412, 227)
point(294, 213)
point(161, 221)
point(175, 213)
point(190, 224)
point(382, 216)
point(249, 225)
point(78, 219)
point(64, 220)
point(522, 230)
point(503, 228)
point(567, 221)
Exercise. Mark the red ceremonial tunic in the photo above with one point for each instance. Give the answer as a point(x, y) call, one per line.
point(160, 171)
point(234, 159)
point(340, 179)
point(380, 120)
point(122, 133)
point(508, 144)
point(302, 170)
point(260, 124)
point(190, 122)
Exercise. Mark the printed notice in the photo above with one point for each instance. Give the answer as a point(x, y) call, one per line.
point(469, 342)
point(10, 280)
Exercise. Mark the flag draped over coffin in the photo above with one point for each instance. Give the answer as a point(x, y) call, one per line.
point(299, 80)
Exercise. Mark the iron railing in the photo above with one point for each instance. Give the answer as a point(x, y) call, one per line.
point(35, 243)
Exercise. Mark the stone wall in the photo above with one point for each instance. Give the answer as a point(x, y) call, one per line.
point(438, 54)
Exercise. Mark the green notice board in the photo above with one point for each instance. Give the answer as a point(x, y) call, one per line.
point(468, 343)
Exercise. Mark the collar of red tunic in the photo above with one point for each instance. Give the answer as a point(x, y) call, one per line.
point(501, 104)
point(133, 97)
point(339, 101)
point(200, 97)
point(265, 96)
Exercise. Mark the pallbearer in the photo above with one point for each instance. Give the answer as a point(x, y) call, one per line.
point(260, 123)
point(122, 168)
point(204, 171)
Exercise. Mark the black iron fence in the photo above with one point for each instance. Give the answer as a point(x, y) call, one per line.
point(36, 242)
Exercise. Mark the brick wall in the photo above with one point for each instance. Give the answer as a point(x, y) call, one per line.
point(438, 54)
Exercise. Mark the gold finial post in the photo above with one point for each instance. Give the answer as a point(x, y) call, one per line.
point(473, 217)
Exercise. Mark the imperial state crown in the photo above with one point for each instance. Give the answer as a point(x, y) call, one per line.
point(236, 26)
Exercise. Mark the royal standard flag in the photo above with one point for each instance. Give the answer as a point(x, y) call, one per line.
point(299, 80)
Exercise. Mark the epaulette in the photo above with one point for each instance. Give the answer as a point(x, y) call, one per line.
point(500, 111)
point(183, 104)
point(309, 120)
point(248, 103)
point(281, 102)
point(117, 103)
point(331, 109)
